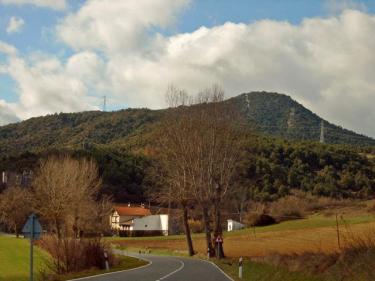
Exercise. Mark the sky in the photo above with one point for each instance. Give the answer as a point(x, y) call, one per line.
point(65, 55)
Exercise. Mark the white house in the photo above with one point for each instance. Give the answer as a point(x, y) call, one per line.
point(122, 216)
point(137, 219)
point(235, 225)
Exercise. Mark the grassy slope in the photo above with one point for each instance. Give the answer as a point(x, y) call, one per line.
point(14, 259)
point(317, 233)
point(311, 222)
point(262, 272)
point(314, 234)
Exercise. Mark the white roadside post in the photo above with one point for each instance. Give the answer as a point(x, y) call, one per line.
point(106, 260)
point(240, 267)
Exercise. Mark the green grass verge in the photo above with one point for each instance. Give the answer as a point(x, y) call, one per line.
point(314, 221)
point(147, 251)
point(262, 272)
point(125, 263)
point(15, 259)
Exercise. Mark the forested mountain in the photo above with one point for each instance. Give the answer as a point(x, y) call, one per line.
point(283, 154)
point(269, 113)
point(279, 115)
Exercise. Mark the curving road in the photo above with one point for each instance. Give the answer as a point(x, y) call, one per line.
point(166, 269)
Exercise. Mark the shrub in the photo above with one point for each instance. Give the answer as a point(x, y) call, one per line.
point(196, 226)
point(73, 255)
point(289, 207)
point(255, 219)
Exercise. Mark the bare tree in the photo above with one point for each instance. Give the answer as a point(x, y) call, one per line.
point(171, 142)
point(15, 208)
point(64, 192)
point(201, 145)
point(218, 137)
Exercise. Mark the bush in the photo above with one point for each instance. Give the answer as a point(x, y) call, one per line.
point(254, 219)
point(196, 226)
point(289, 207)
point(74, 255)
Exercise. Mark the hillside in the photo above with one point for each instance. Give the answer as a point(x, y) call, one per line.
point(119, 140)
point(279, 115)
point(270, 113)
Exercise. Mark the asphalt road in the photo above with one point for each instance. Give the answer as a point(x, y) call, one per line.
point(166, 269)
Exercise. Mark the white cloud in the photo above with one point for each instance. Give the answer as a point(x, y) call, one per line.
point(7, 49)
point(15, 25)
point(7, 115)
point(338, 6)
point(52, 4)
point(325, 63)
point(117, 25)
point(46, 85)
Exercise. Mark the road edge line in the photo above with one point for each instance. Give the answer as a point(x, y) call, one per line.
point(119, 271)
point(222, 271)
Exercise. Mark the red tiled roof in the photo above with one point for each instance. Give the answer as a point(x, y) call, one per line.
point(132, 211)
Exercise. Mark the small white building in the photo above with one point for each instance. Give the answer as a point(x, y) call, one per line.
point(122, 216)
point(235, 225)
point(129, 218)
point(152, 223)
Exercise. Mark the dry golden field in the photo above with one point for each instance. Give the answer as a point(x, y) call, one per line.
point(315, 234)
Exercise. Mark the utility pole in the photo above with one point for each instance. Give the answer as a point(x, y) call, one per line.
point(104, 103)
point(322, 140)
point(32, 247)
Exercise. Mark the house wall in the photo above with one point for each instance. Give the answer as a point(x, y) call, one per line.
point(152, 223)
point(235, 225)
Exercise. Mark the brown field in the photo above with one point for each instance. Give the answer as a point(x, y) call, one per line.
point(247, 244)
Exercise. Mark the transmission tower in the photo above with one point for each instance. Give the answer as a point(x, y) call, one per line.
point(247, 100)
point(104, 103)
point(322, 140)
point(291, 120)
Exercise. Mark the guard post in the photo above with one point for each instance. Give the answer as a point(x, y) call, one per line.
point(106, 260)
point(32, 229)
point(240, 267)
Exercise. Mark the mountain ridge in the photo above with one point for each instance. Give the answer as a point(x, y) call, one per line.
point(273, 114)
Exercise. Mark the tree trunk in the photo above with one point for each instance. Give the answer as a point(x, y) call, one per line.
point(207, 229)
point(218, 230)
point(187, 231)
point(58, 228)
point(16, 231)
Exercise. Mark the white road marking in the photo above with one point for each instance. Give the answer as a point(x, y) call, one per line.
point(222, 271)
point(108, 273)
point(173, 272)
